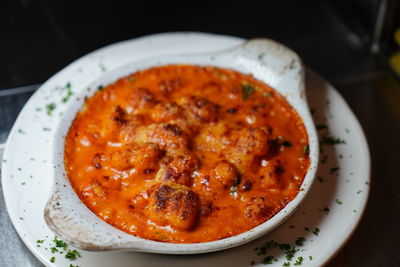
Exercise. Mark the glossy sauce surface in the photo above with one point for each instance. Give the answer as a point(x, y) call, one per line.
point(186, 154)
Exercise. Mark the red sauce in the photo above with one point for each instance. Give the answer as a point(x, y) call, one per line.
point(186, 154)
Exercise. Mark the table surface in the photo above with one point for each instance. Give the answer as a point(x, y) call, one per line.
point(329, 42)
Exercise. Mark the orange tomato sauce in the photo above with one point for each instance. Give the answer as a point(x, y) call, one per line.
point(186, 154)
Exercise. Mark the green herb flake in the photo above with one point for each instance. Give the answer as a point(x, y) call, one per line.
point(298, 261)
point(339, 202)
point(60, 244)
point(326, 210)
point(71, 265)
point(306, 149)
point(320, 179)
point(300, 241)
point(19, 169)
point(310, 258)
point(321, 127)
point(53, 259)
point(359, 192)
point(21, 131)
point(330, 140)
point(50, 107)
point(247, 91)
point(39, 241)
point(286, 264)
point(100, 88)
point(261, 55)
point(72, 254)
point(316, 231)
point(46, 129)
point(69, 93)
point(306, 228)
point(267, 260)
point(23, 183)
point(53, 250)
point(333, 170)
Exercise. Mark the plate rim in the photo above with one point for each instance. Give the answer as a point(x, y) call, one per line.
point(354, 119)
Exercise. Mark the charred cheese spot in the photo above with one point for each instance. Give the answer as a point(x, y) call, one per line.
point(174, 205)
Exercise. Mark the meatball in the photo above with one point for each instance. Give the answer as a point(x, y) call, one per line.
point(213, 137)
point(249, 143)
point(164, 112)
point(140, 99)
point(174, 205)
point(251, 140)
point(178, 169)
point(201, 109)
point(166, 135)
point(142, 158)
point(170, 86)
point(226, 173)
point(258, 208)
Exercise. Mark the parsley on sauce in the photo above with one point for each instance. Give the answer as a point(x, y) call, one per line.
point(247, 91)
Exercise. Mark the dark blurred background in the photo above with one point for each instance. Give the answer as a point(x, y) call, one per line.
point(352, 43)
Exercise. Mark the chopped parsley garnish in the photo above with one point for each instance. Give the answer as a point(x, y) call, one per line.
point(330, 140)
point(286, 264)
point(71, 265)
point(72, 254)
point(69, 93)
point(300, 241)
point(60, 244)
point(359, 191)
point(339, 202)
point(50, 107)
point(268, 260)
point(306, 149)
point(100, 87)
point(333, 170)
point(306, 228)
point(247, 91)
point(316, 231)
point(53, 259)
point(261, 55)
point(326, 210)
point(53, 250)
point(39, 241)
point(298, 261)
point(21, 131)
point(46, 129)
point(310, 258)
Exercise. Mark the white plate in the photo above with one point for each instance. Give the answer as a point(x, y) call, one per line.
point(27, 175)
